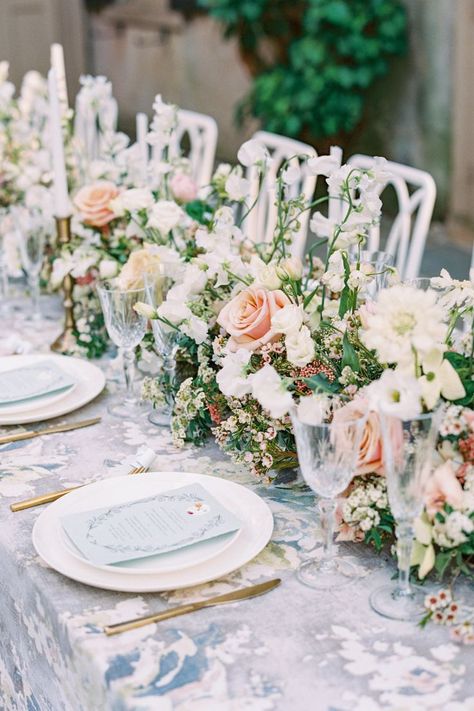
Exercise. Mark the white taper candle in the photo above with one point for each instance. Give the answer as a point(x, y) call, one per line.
point(62, 205)
point(142, 131)
point(57, 63)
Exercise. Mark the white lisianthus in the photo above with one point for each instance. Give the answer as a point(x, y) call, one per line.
point(237, 187)
point(440, 378)
point(253, 153)
point(395, 393)
point(402, 321)
point(288, 319)
point(195, 328)
point(131, 201)
point(108, 268)
point(269, 390)
point(312, 409)
point(165, 215)
point(232, 378)
point(323, 165)
point(300, 347)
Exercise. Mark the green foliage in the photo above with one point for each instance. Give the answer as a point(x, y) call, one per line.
point(324, 56)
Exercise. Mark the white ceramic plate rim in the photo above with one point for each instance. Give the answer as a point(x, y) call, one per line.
point(243, 549)
point(36, 403)
point(89, 378)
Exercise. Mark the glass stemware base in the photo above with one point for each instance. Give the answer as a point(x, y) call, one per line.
point(328, 574)
point(396, 604)
point(160, 417)
point(128, 409)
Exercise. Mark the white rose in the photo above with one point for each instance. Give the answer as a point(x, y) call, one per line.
point(300, 347)
point(269, 390)
point(237, 187)
point(232, 378)
point(108, 268)
point(165, 215)
point(288, 319)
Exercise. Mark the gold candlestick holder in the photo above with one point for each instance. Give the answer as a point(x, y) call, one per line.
point(66, 342)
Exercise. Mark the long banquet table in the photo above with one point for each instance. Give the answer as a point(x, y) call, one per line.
point(293, 649)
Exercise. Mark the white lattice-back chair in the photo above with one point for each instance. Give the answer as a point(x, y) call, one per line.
point(416, 193)
point(200, 131)
point(260, 224)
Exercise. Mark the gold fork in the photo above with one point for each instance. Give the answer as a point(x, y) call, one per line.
point(55, 495)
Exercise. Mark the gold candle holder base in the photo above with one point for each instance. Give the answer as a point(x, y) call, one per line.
point(66, 341)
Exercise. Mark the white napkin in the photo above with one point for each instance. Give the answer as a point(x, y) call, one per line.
point(144, 457)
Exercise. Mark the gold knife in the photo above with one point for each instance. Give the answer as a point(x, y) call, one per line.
point(234, 596)
point(30, 434)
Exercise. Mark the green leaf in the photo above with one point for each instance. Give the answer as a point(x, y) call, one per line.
point(344, 301)
point(320, 383)
point(349, 355)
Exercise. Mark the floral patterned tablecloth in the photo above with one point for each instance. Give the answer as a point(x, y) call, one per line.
point(291, 650)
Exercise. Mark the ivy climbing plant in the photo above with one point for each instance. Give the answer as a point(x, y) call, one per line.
point(312, 61)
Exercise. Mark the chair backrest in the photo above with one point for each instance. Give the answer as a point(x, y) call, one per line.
point(416, 193)
point(260, 223)
point(201, 133)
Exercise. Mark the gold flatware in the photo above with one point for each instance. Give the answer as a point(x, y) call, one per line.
point(30, 434)
point(235, 596)
point(55, 495)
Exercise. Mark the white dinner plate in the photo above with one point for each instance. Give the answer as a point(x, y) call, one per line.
point(253, 512)
point(41, 401)
point(89, 381)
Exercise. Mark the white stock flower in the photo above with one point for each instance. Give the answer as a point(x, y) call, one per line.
point(165, 215)
point(323, 165)
point(237, 187)
point(192, 282)
point(288, 319)
point(232, 378)
point(269, 390)
point(457, 293)
point(253, 152)
point(333, 277)
point(401, 321)
point(395, 393)
point(300, 347)
point(174, 311)
point(291, 174)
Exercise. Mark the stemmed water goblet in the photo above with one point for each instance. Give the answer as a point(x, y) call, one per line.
point(126, 327)
point(32, 228)
point(407, 446)
point(378, 266)
point(157, 285)
point(327, 454)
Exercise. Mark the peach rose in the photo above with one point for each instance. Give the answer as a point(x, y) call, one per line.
point(443, 487)
point(371, 448)
point(93, 203)
point(248, 317)
point(183, 187)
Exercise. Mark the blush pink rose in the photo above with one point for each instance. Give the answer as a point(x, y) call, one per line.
point(93, 203)
point(443, 487)
point(248, 317)
point(370, 459)
point(183, 187)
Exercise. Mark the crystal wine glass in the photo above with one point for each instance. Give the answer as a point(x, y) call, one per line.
point(126, 328)
point(157, 285)
point(327, 454)
point(408, 446)
point(32, 228)
point(378, 265)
